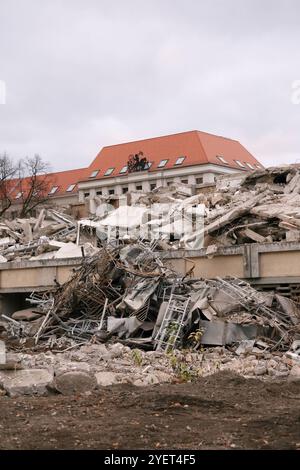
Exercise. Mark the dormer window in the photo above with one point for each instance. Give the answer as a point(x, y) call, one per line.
point(162, 163)
point(108, 171)
point(250, 166)
point(240, 164)
point(53, 190)
point(70, 188)
point(179, 161)
point(18, 195)
point(123, 170)
point(222, 160)
point(94, 174)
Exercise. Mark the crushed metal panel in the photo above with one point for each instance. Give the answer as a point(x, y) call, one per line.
point(289, 307)
point(138, 296)
point(123, 326)
point(219, 333)
point(214, 332)
point(236, 333)
point(223, 303)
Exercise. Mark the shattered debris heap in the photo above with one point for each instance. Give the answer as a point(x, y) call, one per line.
point(124, 289)
point(52, 235)
point(128, 293)
point(259, 207)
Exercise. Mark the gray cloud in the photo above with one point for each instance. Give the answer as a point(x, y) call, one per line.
point(81, 74)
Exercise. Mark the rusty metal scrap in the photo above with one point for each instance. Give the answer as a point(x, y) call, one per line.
point(128, 292)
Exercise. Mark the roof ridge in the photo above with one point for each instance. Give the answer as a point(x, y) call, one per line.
point(67, 171)
point(201, 145)
point(149, 138)
point(217, 135)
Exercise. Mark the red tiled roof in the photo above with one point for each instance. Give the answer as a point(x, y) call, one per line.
point(61, 179)
point(198, 148)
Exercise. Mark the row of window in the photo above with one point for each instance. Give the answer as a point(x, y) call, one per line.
point(239, 163)
point(179, 161)
point(161, 164)
point(68, 190)
point(139, 187)
point(52, 190)
point(123, 170)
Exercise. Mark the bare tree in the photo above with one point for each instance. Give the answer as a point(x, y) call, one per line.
point(7, 172)
point(34, 183)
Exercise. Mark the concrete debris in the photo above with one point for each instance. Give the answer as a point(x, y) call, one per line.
point(2, 352)
point(104, 379)
point(51, 235)
point(129, 293)
point(25, 382)
point(295, 373)
point(63, 372)
point(26, 314)
point(124, 291)
point(262, 208)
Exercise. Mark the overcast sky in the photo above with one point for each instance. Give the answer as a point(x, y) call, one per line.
point(81, 74)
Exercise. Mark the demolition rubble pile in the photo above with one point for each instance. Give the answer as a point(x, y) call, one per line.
point(128, 293)
point(262, 207)
point(51, 235)
point(93, 366)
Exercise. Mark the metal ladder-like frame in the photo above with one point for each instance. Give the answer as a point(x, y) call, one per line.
point(175, 314)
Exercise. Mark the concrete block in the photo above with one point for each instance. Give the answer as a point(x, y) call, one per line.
point(27, 314)
point(105, 379)
point(295, 373)
point(25, 382)
point(2, 352)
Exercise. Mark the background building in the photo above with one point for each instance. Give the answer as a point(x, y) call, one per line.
point(193, 157)
point(189, 157)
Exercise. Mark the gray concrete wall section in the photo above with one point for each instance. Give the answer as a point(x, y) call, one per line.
point(269, 262)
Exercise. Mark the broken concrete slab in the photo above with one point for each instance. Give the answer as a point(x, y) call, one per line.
point(104, 379)
point(39, 221)
point(295, 373)
point(69, 250)
point(245, 347)
point(27, 314)
point(148, 379)
point(292, 235)
point(248, 233)
point(2, 352)
point(27, 232)
point(72, 366)
point(26, 382)
point(261, 370)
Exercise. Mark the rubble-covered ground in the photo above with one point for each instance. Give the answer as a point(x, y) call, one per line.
point(115, 363)
point(108, 396)
point(220, 411)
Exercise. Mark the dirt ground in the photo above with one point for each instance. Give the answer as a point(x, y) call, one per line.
point(223, 411)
